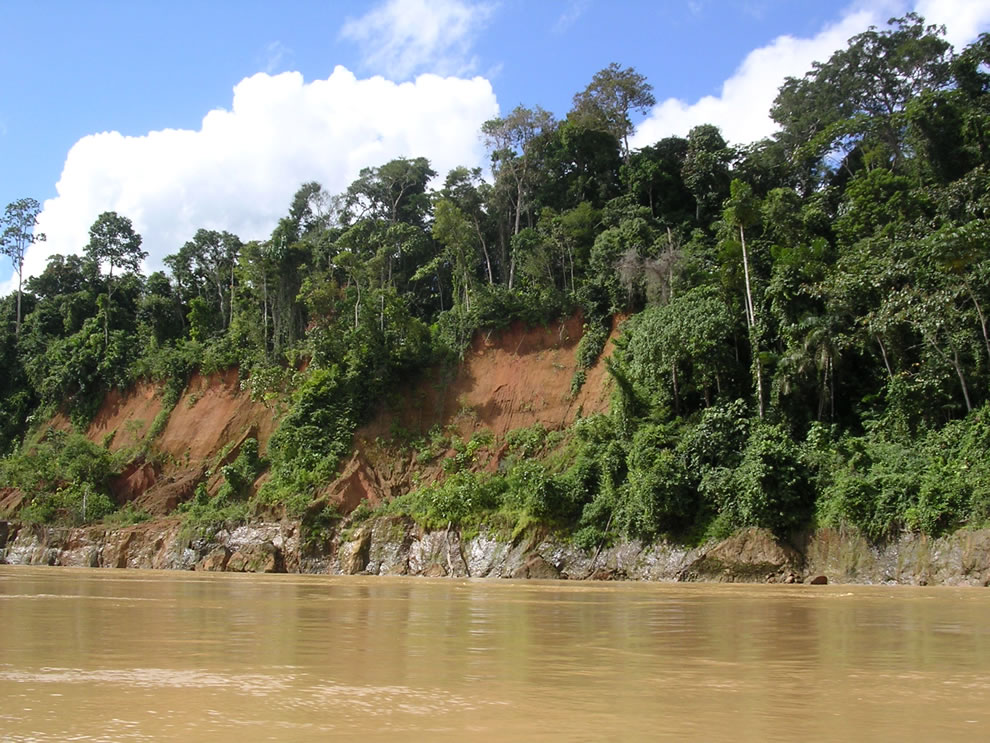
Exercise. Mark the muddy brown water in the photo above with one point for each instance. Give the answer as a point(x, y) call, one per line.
point(92, 655)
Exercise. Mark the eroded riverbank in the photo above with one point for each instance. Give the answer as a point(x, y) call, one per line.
point(398, 546)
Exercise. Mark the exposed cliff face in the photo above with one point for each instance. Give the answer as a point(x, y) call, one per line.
point(397, 546)
point(507, 380)
point(205, 429)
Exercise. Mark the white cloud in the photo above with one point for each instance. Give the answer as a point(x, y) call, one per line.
point(742, 109)
point(276, 56)
point(575, 9)
point(964, 20)
point(400, 37)
point(239, 171)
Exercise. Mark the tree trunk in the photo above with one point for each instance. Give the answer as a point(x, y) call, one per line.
point(484, 249)
point(954, 361)
point(883, 353)
point(754, 331)
point(962, 380)
point(758, 365)
point(223, 314)
point(357, 303)
point(749, 293)
point(519, 197)
point(264, 284)
point(17, 324)
point(983, 321)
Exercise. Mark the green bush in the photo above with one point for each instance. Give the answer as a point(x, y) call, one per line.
point(306, 448)
point(772, 481)
point(874, 488)
point(240, 474)
point(202, 510)
point(658, 497)
point(461, 499)
point(57, 473)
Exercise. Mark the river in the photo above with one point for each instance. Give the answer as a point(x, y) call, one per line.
point(108, 655)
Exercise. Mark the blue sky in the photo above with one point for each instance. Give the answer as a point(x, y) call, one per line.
point(154, 72)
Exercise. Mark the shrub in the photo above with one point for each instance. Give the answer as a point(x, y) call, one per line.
point(773, 487)
point(874, 487)
point(658, 496)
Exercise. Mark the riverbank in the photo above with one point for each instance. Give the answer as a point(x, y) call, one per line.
point(398, 546)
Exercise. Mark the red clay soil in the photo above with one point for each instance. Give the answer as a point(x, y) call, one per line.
point(507, 380)
point(212, 415)
point(127, 416)
point(10, 500)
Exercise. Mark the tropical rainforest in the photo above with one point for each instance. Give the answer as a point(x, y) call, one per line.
point(805, 336)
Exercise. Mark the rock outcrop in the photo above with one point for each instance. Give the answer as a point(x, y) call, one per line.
point(398, 546)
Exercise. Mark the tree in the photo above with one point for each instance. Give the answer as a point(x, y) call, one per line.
point(742, 210)
point(113, 241)
point(452, 228)
point(394, 192)
point(654, 175)
point(212, 256)
point(681, 349)
point(610, 97)
point(578, 163)
point(512, 141)
point(19, 220)
point(855, 102)
point(706, 169)
point(468, 191)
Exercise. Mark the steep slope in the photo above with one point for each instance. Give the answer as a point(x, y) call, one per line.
point(508, 379)
point(205, 429)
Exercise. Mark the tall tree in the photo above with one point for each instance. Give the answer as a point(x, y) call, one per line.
point(742, 210)
point(19, 220)
point(453, 229)
point(610, 97)
point(468, 192)
point(213, 256)
point(855, 102)
point(394, 192)
point(654, 175)
point(114, 243)
point(706, 169)
point(512, 141)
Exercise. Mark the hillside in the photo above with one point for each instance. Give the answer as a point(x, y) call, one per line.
point(509, 379)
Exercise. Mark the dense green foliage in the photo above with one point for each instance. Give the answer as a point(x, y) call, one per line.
point(808, 338)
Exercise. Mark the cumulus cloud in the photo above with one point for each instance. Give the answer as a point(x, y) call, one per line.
point(742, 109)
point(239, 170)
point(964, 20)
point(401, 37)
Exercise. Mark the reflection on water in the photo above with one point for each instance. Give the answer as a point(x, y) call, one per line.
point(116, 656)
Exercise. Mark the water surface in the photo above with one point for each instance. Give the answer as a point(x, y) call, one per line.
point(109, 655)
